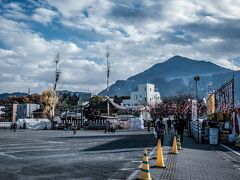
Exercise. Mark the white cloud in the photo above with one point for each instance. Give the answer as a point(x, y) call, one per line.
point(14, 11)
point(7, 53)
point(34, 55)
point(140, 34)
point(44, 15)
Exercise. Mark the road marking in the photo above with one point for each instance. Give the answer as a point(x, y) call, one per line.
point(25, 147)
point(57, 142)
point(9, 155)
point(127, 169)
point(235, 152)
point(50, 156)
point(137, 161)
point(236, 166)
point(131, 177)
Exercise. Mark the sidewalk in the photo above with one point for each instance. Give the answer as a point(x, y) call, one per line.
point(196, 161)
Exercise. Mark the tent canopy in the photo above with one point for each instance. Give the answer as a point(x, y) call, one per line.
point(34, 123)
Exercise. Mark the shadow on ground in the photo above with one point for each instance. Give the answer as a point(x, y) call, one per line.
point(190, 143)
point(127, 142)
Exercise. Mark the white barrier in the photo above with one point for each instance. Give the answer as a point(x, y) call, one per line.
point(194, 128)
point(213, 136)
point(5, 125)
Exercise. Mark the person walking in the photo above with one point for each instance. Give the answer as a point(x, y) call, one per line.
point(45, 126)
point(160, 129)
point(107, 127)
point(74, 128)
point(181, 126)
point(148, 125)
point(14, 127)
point(169, 124)
point(67, 126)
point(175, 124)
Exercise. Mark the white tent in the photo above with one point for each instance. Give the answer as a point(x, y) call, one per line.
point(5, 124)
point(34, 123)
point(135, 123)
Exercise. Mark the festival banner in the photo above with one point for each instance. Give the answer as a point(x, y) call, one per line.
point(236, 123)
point(211, 104)
point(224, 97)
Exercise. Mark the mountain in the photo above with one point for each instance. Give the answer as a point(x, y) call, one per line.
point(6, 95)
point(178, 67)
point(175, 75)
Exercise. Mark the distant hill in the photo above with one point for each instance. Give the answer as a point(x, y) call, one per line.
point(175, 75)
point(6, 95)
point(84, 96)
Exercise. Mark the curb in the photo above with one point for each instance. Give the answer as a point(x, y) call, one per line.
point(228, 148)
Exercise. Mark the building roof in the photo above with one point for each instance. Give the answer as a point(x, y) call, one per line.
point(112, 105)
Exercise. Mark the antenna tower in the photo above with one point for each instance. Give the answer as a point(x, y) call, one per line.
point(108, 53)
point(57, 71)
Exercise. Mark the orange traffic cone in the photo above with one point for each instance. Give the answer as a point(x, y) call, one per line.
point(145, 172)
point(174, 147)
point(160, 160)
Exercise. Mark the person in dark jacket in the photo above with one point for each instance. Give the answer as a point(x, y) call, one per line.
point(181, 125)
point(148, 123)
point(160, 129)
point(169, 124)
point(74, 128)
point(107, 127)
point(14, 127)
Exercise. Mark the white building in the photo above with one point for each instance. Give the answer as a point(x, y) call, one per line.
point(140, 100)
point(145, 95)
point(1, 112)
point(13, 112)
point(26, 110)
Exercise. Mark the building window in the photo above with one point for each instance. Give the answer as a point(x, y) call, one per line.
point(136, 97)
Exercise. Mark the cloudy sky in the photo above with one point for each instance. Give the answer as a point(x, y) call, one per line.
point(139, 33)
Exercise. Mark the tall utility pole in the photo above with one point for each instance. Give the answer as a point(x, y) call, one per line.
point(57, 71)
point(57, 75)
point(196, 79)
point(108, 53)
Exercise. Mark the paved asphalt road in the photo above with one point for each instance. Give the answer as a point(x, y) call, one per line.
point(40, 154)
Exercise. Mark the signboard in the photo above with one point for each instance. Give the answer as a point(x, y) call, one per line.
point(194, 110)
point(224, 97)
point(211, 104)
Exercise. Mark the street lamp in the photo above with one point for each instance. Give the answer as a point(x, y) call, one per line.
point(189, 116)
point(196, 79)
